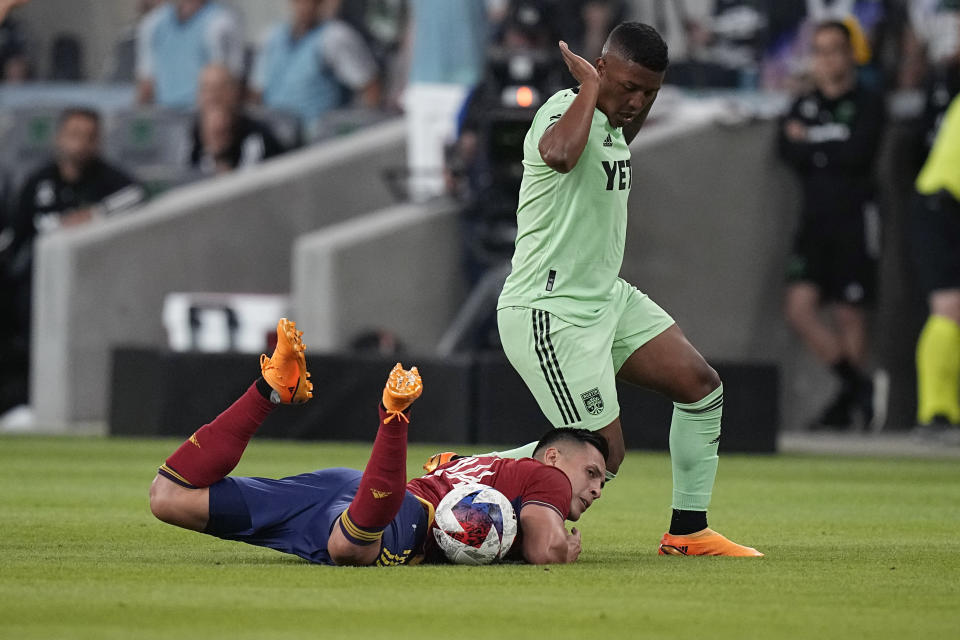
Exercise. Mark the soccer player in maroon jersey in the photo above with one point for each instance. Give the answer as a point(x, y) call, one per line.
point(375, 517)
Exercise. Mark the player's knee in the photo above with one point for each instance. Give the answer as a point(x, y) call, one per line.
point(701, 381)
point(163, 502)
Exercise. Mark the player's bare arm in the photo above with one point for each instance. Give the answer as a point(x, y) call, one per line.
point(545, 539)
point(563, 143)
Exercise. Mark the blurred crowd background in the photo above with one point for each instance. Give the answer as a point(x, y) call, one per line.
point(105, 105)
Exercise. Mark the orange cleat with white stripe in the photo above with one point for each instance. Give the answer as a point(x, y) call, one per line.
point(704, 543)
point(439, 459)
point(286, 370)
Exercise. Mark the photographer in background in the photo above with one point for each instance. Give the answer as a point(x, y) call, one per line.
point(483, 166)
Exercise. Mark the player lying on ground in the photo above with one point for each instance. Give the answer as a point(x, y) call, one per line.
point(345, 517)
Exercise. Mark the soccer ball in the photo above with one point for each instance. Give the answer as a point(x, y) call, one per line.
point(475, 524)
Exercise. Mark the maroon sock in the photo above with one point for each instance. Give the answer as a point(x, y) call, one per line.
point(383, 485)
point(215, 449)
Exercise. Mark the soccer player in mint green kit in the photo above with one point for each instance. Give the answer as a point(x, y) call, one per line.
point(569, 325)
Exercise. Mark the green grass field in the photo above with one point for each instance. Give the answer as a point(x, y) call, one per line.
point(856, 548)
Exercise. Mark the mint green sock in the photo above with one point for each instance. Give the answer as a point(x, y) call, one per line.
point(526, 451)
point(694, 440)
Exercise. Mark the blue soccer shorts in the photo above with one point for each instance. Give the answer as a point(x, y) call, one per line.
point(296, 515)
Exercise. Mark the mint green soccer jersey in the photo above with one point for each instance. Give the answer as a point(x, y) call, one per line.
point(571, 227)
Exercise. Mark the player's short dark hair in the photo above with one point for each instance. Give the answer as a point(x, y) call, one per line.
point(78, 112)
point(640, 43)
point(569, 434)
point(834, 24)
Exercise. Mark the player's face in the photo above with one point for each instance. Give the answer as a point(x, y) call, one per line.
point(832, 55)
point(78, 139)
point(586, 470)
point(626, 88)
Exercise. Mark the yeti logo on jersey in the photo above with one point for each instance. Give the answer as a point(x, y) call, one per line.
point(618, 169)
point(593, 401)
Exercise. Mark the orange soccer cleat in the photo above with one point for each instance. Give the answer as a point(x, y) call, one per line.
point(438, 460)
point(286, 370)
point(402, 388)
point(704, 543)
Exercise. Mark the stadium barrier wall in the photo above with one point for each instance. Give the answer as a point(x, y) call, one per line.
point(712, 217)
point(103, 285)
point(397, 270)
point(466, 400)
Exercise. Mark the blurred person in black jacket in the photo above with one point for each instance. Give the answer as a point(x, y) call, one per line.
point(74, 188)
point(831, 138)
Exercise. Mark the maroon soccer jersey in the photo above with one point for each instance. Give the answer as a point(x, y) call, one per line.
point(524, 481)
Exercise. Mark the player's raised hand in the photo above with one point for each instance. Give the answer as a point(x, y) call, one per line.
point(402, 388)
point(582, 71)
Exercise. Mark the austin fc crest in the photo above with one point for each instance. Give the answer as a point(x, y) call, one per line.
point(593, 401)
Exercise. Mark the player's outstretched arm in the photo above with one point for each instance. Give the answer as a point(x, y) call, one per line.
point(563, 143)
point(545, 539)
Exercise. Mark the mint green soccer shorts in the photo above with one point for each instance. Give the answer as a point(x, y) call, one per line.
point(570, 369)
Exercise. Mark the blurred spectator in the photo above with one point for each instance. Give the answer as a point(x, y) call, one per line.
point(313, 64)
point(382, 24)
point(936, 249)
point(224, 136)
point(730, 43)
point(176, 41)
point(596, 19)
point(791, 25)
point(121, 66)
point(447, 44)
point(66, 59)
point(932, 61)
point(831, 137)
point(932, 43)
point(671, 20)
point(14, 65)
point(75, 187)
